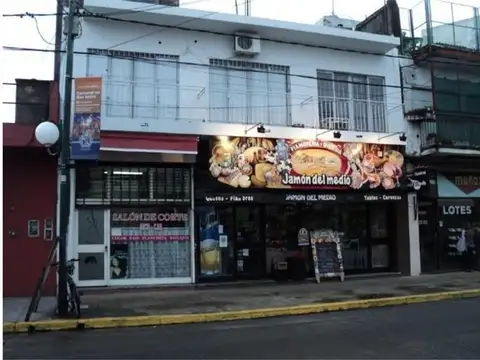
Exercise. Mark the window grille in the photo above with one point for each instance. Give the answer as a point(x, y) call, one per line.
point(351, 102)
point(104, 185)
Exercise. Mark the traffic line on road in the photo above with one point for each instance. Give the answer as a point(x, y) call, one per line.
point(156, 320)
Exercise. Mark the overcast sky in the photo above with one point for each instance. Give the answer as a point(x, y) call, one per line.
point(22, 32)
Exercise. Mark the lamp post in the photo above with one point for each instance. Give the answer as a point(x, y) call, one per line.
point(48, 134)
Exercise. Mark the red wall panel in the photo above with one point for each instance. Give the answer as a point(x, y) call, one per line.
point(29, 193)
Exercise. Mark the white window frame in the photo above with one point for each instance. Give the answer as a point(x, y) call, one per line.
point(138, 56)
point(337, 123)
point(234, 65)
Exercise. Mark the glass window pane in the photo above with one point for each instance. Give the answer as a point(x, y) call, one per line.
point(90, 182)
point(90, 227)
point(150, 243)
point(91, 266)
point(216, 257)
point(129, 183)
point(172, 183)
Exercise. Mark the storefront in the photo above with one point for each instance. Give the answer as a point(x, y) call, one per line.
point(256, 200)
point(133, 218)
point(443, 217)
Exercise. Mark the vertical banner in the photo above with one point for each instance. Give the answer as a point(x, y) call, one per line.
point(85, 137)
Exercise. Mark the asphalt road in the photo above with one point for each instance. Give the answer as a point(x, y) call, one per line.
point(442, 330)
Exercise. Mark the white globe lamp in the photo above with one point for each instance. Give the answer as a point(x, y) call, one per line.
point(47, 133)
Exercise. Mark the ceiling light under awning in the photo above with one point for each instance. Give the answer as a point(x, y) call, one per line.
point(125, 172)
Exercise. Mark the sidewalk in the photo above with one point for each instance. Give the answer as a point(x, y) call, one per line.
point(109, 308)
point(209, 299)
point(15, 309)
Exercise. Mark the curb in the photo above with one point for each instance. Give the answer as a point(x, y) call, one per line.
point(154, 320)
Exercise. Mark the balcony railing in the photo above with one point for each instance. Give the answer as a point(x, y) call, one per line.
point(450, 132)
point(441, 23)
point(150, 102)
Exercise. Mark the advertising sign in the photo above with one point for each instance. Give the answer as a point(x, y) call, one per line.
point(85, 137)
point(167, 225)
point(304, 164)
point(459, 185)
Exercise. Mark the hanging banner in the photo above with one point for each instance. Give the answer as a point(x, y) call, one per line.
point(305, 164)
point(85, 137)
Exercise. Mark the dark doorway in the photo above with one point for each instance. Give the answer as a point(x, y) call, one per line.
point(427, 227)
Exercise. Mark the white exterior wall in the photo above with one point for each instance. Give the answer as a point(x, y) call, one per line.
point(198, 48)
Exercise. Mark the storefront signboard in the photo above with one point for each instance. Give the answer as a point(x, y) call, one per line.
point(327, 254)
point(458, 185)
point(305, 164)
point(283, 197)
point(85, 136)
point(167, 225)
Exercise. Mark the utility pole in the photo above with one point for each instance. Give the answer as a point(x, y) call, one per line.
point(64, 165)
point(247, 8)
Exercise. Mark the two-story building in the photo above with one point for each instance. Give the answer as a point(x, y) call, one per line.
point(224, 137)
point(442, 105)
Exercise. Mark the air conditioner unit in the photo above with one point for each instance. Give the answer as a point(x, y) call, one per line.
point(247, 44)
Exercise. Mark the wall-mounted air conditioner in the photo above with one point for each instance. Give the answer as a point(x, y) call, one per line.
point(247, 44)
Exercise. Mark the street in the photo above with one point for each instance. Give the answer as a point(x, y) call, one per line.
point(442, 330)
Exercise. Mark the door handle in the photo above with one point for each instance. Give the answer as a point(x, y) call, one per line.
point(106, 248)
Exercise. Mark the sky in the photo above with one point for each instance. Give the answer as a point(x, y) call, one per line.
point(24, 32)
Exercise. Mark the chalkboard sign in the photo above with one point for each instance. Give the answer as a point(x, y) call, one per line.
point(327, 254)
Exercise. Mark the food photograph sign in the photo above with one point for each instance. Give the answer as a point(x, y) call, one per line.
point(302, 164)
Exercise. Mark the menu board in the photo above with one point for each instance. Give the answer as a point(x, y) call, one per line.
point(327, 254)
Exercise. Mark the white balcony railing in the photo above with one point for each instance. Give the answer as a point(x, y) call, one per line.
point(150, 102)
point(351, 114)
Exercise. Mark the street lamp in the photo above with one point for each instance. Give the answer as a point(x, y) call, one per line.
point(47, 133)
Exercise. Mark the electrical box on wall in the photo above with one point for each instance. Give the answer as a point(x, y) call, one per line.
point(76, 26)
point(247, 44)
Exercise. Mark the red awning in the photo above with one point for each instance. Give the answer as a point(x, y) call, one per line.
point(19, 135)
point(147, 147)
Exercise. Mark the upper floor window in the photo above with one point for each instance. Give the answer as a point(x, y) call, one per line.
point(351, 102)
point(249, 93)
point(138, 85)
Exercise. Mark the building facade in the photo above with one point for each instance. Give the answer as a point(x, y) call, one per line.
point(29, 193)
point(442, 92)
point(218, 133)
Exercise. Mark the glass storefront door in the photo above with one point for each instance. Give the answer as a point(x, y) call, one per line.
point(249, 243)
point(229, 242)
point(92, 247)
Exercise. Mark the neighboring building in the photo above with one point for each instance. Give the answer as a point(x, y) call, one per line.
point(335, 21)
point(196, 178)
point(29, 194)
point(442, 106)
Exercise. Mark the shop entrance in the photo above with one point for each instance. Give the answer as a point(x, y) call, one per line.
point(248, 241)
point(92, 246)
point(230, 242)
